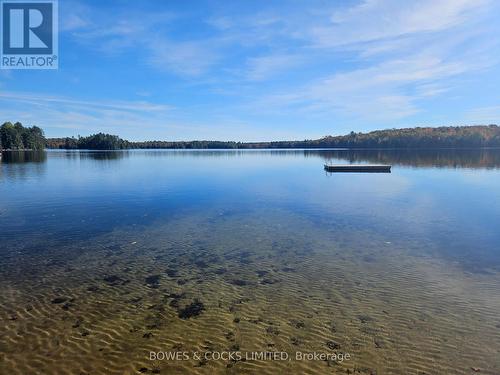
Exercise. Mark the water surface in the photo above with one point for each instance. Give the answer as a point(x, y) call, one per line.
point(107, 256)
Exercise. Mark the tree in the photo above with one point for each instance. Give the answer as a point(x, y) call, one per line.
point(17, 137)
point(102, 141)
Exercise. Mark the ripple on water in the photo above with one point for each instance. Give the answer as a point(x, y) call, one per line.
point(216, 285)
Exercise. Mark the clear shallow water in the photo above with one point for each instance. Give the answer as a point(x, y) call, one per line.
point(106, 256)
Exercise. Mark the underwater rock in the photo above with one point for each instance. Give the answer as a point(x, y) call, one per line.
point(365, 318)
point(112, 279)
point(273, 330)
point(153, 281)
point(256, 321)
point(379, 343)
point(58, 300)
point(171, 272)
point(333, 327)
point(333, 345)
point(174, 303)
point(93, 288)
point(194, 309)
point(238, 282)
point(297, 323)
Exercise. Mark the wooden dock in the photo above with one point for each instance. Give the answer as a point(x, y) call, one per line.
point(370, 168)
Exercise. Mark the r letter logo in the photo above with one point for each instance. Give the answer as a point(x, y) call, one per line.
point(29, 34)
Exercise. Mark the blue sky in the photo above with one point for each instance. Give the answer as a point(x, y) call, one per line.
point(262, 70)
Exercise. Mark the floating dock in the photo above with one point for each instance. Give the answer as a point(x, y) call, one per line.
point(358, 168)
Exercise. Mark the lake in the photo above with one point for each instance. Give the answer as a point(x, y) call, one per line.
point(109, 259)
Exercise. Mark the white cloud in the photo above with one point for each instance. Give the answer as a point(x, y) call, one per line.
point(387, 91)
point(146, 34)
point(265, 67)
point(385, 19)
point(76, 16)
point(185, 58)
point(73, 22)
point(430, 89)
point(130, 106)
point(69, 116)
point(401, 54)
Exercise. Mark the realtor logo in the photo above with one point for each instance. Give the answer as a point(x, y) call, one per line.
point(29, 34)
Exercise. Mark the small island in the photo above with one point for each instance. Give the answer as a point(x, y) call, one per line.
point(17, 137)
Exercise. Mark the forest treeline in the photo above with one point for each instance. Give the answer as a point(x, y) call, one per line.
point(17, 137)
point(99, 141)
point(442, 137)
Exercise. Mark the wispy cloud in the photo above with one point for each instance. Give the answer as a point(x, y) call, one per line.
point(387, 19)
point(77, 16)
point(266, 67)
point(185, 58)
point(401, 56)
point(65, 116)
point(386, 91)
point(132, 106)
point(148, 34)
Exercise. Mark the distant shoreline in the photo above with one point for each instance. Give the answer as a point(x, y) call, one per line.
point(269, 149)
point(17, 137)
point(263, 149)
point(476, 136)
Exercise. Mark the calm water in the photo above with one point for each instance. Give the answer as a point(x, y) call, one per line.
point(108, 256)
